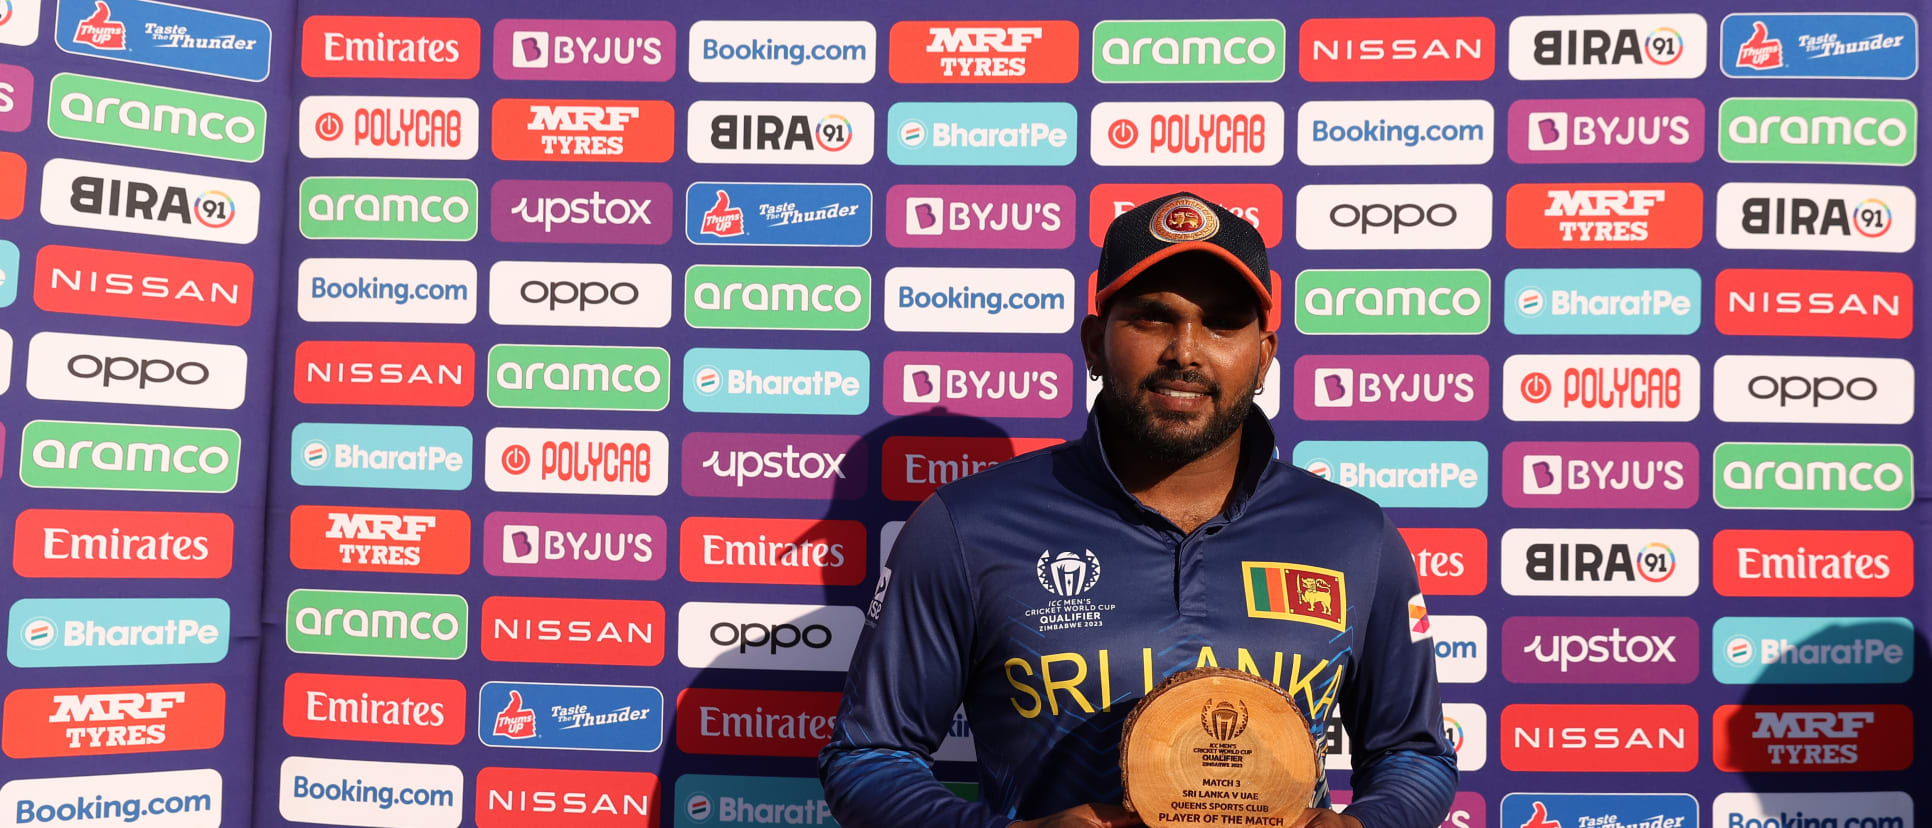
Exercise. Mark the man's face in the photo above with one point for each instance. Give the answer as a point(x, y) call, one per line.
point(1181, 351)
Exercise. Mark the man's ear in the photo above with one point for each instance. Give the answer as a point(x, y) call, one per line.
point(1093, 330)
point(1269, 341)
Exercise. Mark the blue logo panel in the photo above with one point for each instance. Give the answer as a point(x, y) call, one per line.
point(983, 134)
point(762, 381)
point(1748, 650)
point(1819, 46)
point(9, 272)
point(381, 456)
point(794, 215)
point(100, 632)
point(1399, 474)
point(1581, 810)
point(165, 35)
point(1603, 301)
point(703, 799)
point(570, 716)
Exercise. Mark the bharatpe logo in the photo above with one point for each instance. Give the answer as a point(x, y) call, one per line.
point(1812, 650)
point(777, 298)
point(1787, 389)
point(116, 632)
point(1365, 133)
point(1187, 133)
point(799, 637)
point(612, 717)
point(703, 800)
point(1189, 51)
point(20, 22)
point(165, 35)
point(580, 212)
point(129, 371)
point(1572, 810)
point(1602, 301)
point(1607, 131)
point(979, 133)
point(1849, 217)
point(1854, 476)
point(580, 294)
point(780, 132)
point(540, 545)
point(1882, 132)
point(776, 381)
point(1608, 46)
point(783, 51)
point(396, 291)
point(145, 201)
point(61, 454)
point(638, 51)
point(1600, 475)
point(803, 466)
point(1600, 650)
point(1599, 562)
point(1411, 387)
point(788, 215)
point(980, 215)
point(378, 624)
point(1441, 302)
point(107, 111)
point(1830, 303)
point(979, 300)
point(584, 377)
point(403, 209)
point(359, 126)
point(380, 456)
point(1403, 474)
point(1858, 45)
point(1393, 216)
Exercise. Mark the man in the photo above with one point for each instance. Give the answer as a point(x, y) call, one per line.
point(1051, 592)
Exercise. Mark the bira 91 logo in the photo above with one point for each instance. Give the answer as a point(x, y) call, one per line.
point(576, 461)
point(1605, 216)
point(915, 467)
point(1189, 51)
point(798, 637)
point(1608, 46)
point(1442, 302)
point(550, 129)
point(1413, 387)
point(107, 111)
point(636, 51)
point(1835, 650)
point(441, 48)
point(75, 543)
point(1260, 204)
point(359, 126)
point(1834, 303)
point(983, 133)
point(580, 294)
point(573, 631)
point(380, 456)
point(1032, 217)
point(1600, 562)
point(1853, 45)
point(1601, 388)
point(1349, 50)
point(540, 545)
point(1817, 563)
point(1598, 738)
point(128, 371)
point(754, 722)
point(1600, 650)
point(984, 51)
point(163, 34)
point(107, 721)
point(814, 466)
point(1818, 131)
point(780, 132)
point(1864, 218)
point(377, 624)
point(1393, 216)
point(1187, 133)
point(1395, 474)
point(1603, 301)
point(580, 212)
point(723, 550)
point(1858, 476)
point(63, 454)
point(779, 214)
point(116, 632)
point(776, 381)
point(115, 283)
point(978, 384)
point(385, 373)
point(147, 201)
point(1449, 561)
point(377, 539)
point(1607, 131)
point(1600, 475)
point(515, 797)
point(1573, 810)
point(1801, 389)
point(570, 716)
point(1811, 738)
point(395, 209)
point(413, 711)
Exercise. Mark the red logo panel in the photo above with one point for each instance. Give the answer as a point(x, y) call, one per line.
point(1751, 738)
point(384, 373)
point(721, 550)
point(573, 631)
point(1260, 204)
point(917, 466)
point(103, 721)
point(335, 46)
point(1771, 563)
point(142, 286)
point(755, 722)
point(984, 51)
point(84, 543)
point(1608, 216)
point(1596, 738)
point(1449, 561)
point(417, 711)
point(521, 797)
point(1398, 49)
point(373, 539)
point(1842, 303)
point(13, 185)
point(524, 129)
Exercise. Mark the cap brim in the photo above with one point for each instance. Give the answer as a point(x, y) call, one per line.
point(1255, 281)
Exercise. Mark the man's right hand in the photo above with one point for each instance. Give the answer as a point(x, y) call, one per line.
point(1094, 815)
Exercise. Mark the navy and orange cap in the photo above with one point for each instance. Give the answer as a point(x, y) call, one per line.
point(1179, 223)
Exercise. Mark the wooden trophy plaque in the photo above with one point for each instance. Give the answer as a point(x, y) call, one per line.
point(1213, 746)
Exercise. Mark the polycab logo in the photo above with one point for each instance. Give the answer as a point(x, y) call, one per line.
point(780, 132)
point(1597, 738)
point(1812, 650)
point(1443, 302)
point(1750, 738)
point(1605, 216)
point(1601, 388)
point(116, 632)
point(1856, 45)
point(580, 212)
point(1608, 46)
point(980, 215)
point(107, 721)
point(1773, 563)
point(983, 133)
point(978, 384)
point(165, 35)
point(74, 543)
point(552, 129)
point(772, 551)
point(1798, 389)
point(1260, 204)
point(1571, 810)
point(1189, 51)
point(1818, 131)
point(915, 467)
point(539, 545)
point(1398, 474)
point(1375, 133)
point(781, 214)
point(443, 48)
point(1600, 562)
point(114, 283)
point(1397, 49)
point(107, 111)
point(1858, 476)
point(145, 201)
point(576, 461)
point(1393, 216)
point(513, 797)
point(783, 51)
point(324, 790)
point(808, 637)
point(1835, 303)
point(814, 466)
point(1413, 387)
point(570, 716)
point(1449, 561)
point(367, 126)
point(776, 381)
point(1600, 650)
point(398, 291)
point(20, 22)
point(1602, 301)
point(129, 371)
point(380, 456)
point(1187, 134)
point(755, 722)
point(385, 373)
point(637, 51)
point(573, 631)
point(984, 51)
point(399, 209)
point(1600, 475)
point(979, 300)
point(1864, 218)
point(1606, 131)
point(376, 539)
point(1461, 645)
point(414, 711)
point(580, 294)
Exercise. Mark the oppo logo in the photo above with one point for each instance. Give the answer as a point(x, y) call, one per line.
point(112, 369)
point(1797, 389)
point(1395, 217)
point(767, 636)
point(750, 636)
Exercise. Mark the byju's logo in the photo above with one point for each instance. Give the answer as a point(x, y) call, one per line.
point(1812, 650)
point(1393, 216)
point(1413, 387)
point(380, 456)
point(1859, 45)
point(137, 285)
point(412, 209)
point(1605, 216)
point(1812, 476)
point(1600, 475)
point(1837, 303)
point(16, 92)
point(780, 132)
point(357, 126)
point(1348, 50)
point(1600, 650)
point(1864, 218)
point(767, 636)
point(147, 201)
point(163, 34)
point(1601, 388)
point(1571, 810)
point(1602, 301)
point(576, 461)
point(982, 133)
point(1187, 133)
point(1608, 46)
point(1189, 51)
point(580, 212)
point(787, 215)
point(815, 466)
point(1600, 562)
point(1797, 389)
point(1814, 563)
point(637, 51)
point(774, 381)
point(570, 716)
point(985, 51)
point(116, 632)
point(1818, 131)
point(978, 384)
point(538, 545)
point(1439, 302)
point(1362, 133)
point(1607, 131)
point(974, 215)
point(1451, 475)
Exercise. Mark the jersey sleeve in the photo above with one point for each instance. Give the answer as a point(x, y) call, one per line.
point(1405, 770)
point(908, 675)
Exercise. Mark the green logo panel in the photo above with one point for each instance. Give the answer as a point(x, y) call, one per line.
point(593, 378)
point(107, 111)
point(1392, 301)
point(751, 297)
point(1189, 51)
point(1812, 476)
point(380, 624)
point(1818, 131)
point(407, 209)
point(62, 454)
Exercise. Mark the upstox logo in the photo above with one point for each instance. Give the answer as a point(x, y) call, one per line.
point(599, 378)
point(1815, 131)
point(413, 209)
point(1189, 51)
point(983, 133)
point(777, 297)
point(774, 381)
point(61, 454)
point(379, 624)
point(1812, 476)
point(1423, 474)
point(115, 632)
point(380, 456)
point(1602, 301)
point(1392, 302)
point(1834, 650)
point(106, 111)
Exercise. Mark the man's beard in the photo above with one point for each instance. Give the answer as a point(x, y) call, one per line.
point(1155, 433)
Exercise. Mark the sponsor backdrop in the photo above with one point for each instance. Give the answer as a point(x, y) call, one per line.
point(544, 481)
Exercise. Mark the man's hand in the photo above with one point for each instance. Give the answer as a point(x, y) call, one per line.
point(1093, 815)
point(1325, 818)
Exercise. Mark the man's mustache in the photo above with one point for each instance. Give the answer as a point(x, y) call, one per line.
point(1186, 377)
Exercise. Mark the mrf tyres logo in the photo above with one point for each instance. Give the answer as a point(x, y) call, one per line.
point(1606, 216)
point(1865, 218)
point(984, 51)
point(548, 129)
point(1856, 476)
point(375, 539)
point(1751, 738)
point(580, 212)
point(1608, 46)
point(62, 454)
point(1189, 51)
point(402, 209)
point(780, 132)
point(101, 721)
point(819, 466)
point(149, 202)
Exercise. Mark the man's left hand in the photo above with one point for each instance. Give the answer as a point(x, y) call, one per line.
point(1325, 818)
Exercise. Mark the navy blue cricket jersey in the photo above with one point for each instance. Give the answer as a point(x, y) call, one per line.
point(1048, 600)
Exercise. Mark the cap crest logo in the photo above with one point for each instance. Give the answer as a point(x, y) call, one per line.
point(1184, 219)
